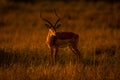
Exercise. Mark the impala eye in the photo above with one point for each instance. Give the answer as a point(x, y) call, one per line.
point(58, 25)
point(47, 26)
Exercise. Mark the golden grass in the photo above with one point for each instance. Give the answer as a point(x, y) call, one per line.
point(24, 55)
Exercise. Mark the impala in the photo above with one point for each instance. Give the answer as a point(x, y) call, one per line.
point(56, 40)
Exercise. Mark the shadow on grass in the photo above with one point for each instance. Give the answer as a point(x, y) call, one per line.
point(36, 58)
point(26, 59)
point(88, 62)
point(110, 50)
point(107, 55)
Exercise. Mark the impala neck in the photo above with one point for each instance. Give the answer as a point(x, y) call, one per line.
point(49, 39)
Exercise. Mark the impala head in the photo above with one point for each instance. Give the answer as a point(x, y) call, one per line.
point(52, 28)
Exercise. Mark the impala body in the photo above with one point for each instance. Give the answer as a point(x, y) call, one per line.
point(62, 39)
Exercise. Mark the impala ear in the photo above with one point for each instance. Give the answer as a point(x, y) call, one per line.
point(48, 26)
point(57, 26)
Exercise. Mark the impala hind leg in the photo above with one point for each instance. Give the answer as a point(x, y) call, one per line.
point(76, 52)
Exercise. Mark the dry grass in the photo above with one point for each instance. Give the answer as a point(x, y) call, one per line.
point(24, 55)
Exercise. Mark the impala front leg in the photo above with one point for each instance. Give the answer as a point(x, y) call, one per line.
point(52, 54)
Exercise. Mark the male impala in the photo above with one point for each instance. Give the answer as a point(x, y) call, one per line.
point(56, 40)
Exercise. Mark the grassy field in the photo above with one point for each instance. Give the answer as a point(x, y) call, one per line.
point(25, 56)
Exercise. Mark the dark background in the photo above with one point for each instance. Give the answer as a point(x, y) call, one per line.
point(33, 1)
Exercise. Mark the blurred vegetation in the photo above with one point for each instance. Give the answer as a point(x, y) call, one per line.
point(64, 0)
point(34, 1)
